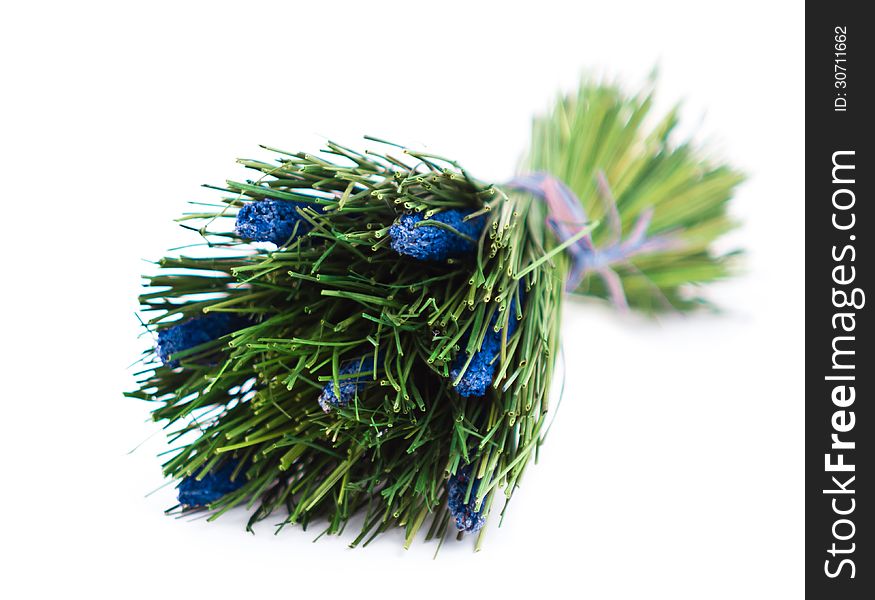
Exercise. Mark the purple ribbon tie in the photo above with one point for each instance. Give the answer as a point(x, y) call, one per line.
point(566, 218)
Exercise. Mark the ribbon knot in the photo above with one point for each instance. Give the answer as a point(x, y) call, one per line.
point(567, 217)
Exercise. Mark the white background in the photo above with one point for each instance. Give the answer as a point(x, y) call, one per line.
point(674, 469)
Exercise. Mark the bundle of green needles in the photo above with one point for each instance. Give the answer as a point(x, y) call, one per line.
point(372, 335)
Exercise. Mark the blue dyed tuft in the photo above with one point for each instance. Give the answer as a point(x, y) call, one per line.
point(271, 221)
point(467, 518)
point(481, 371)
point(348, 386)
point(193, 332)
point(193, 492)
point(430, 242)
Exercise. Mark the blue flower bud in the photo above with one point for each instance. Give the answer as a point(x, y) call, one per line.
point(349, 386)
point(481, 370)
point(193, 492)
point(271, 221)
point(431, 242)
point(193, 332)
point(466, 517)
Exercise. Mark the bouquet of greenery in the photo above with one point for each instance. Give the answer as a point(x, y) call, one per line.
point(375, 333)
